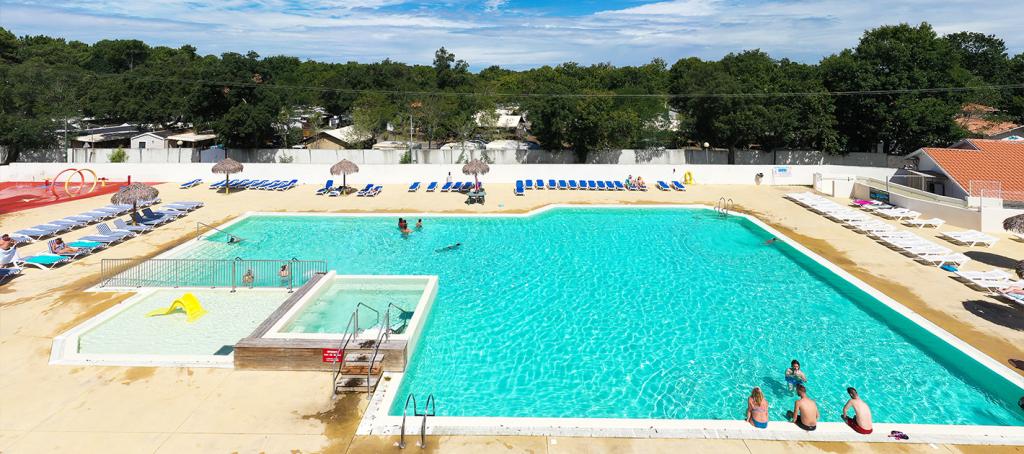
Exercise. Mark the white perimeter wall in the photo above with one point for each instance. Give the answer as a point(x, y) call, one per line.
point(404, 174)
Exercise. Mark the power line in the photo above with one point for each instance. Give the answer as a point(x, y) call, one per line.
point(235, 84)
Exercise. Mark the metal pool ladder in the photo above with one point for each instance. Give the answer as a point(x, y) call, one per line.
point(429, 405)
point(723, 207)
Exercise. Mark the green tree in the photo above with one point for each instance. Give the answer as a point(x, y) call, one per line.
point(900, 57)
point(371, 114)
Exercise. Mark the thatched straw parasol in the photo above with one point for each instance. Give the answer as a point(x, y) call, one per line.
point(133, 194)
point(1016, 224)
point(344, 168)
point(476, 167)
point(227, 166)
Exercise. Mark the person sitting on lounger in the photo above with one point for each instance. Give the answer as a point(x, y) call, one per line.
point(60, 247)
point(861, 420)
point(6, 242)
point(805, 411)
point(757, 409)
point(795, 376)
point(639, 182)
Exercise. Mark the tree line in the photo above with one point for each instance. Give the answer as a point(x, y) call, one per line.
point(898, 89)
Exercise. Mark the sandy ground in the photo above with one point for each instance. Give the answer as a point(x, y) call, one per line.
point(120, 409)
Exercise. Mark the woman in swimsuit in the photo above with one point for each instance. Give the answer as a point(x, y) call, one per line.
point(757, 409)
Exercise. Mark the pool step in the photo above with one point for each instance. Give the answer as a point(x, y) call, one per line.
point(356, 383)
point(360, 369)
point(362, 358)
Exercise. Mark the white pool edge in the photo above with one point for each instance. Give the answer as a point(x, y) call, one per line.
point(376, 421)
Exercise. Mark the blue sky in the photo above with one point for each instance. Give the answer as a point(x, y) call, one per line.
point(511, 33)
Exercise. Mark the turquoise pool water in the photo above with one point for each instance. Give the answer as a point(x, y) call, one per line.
point(637, 313)
point(331, 309)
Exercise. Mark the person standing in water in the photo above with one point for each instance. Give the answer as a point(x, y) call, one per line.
point(419, 224)
point(795, 376)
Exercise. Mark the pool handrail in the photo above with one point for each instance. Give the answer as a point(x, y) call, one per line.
point(416, 412)
point(353, 323)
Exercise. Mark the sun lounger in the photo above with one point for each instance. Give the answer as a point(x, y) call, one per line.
point(898, 214)
point(415, 186)
point(21, 239)
point(528, 184)
point(86, 218)
point(183, 206)
point(572, 184)
point(431, 187)
point(663, 186)
point(288, 185)
point(970, 238)
point(138, 219)
point(540, 184)
point(990, 285)
point(552, 184)
point(591, 185)
point(9, 273)
point(609, 184)
point(169, 215)
point(105, 230)
point(943, 259)
point(141, 228)
point(520, 188)
point(456, 187)
point(376, 190)
point(40, 231)
point(1012, 297)
point(69, 224)
point(678, 186)
point(217, 185)
point(43, 261)
point(447, 187)
point(992, 274)
point(600, 185)
point(327, 188)
point(922, 223)
point(190, 184)
point(619, 186)
point(562, 185)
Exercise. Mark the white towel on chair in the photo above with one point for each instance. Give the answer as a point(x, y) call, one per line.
point(9, 256)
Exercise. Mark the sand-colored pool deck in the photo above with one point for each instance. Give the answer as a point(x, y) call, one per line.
point(47, 408)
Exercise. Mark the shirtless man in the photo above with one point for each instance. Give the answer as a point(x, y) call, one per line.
point(805, 411)
point(861, 422)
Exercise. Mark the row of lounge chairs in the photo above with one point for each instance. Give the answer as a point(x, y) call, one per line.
point(67, 224)
point(145, 220)
point(370, 190)
point(456, 186)
point(583, 185)
point(673, 185)
point(909, 244)
point(912, 218)
point(263, 185)
point(922, 250)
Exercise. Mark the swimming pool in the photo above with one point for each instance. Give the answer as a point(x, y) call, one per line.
point(127, 334)
point(636, 313)
point(330, 310)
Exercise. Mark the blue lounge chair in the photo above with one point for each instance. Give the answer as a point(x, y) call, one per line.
point(540, 184)
point(528, 184)
point(182, 206)
point(610, 185)
point(678, 186)
point(562, 185)
point(457, 187)
point(432, 186)
point(121, 225)
point(40, 231)
point(21, 239)
point(619, 186)
point(67, 223)
point(102, 238)
point(327, 188)
point(217, 185)
point(9, 273)
point(43, 261)
point(591, 185)
point(287, 185)
point(552, 184)
point(373, 192)
point(600, 185)
point(519, 188)
point(189, 184)
point(583, 184)
point(365, 190)
point(172, 215)
point(447, 187)
point(415, 186)
point(663, 186)
point(572, 184)
point(256, 184)
point(86, 218)
point(138, 219)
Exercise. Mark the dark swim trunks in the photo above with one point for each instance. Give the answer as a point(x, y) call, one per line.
point(803, 426)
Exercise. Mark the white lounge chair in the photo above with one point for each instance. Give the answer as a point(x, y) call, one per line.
point(970, 238)
point(945, 259)
point(1013, 297)
point(922, 223)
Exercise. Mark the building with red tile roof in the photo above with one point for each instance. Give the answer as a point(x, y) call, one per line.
point(970, 168)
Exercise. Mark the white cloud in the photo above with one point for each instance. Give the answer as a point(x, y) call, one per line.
point(339, 30)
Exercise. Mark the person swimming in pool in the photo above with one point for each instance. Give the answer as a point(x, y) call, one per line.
point(450, 247)
point(795, 376)
point(419, 224)
point(771, 241)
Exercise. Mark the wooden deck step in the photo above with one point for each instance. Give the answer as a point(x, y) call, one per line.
point(348, 383)
point(360, 369)
point(362, 358)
